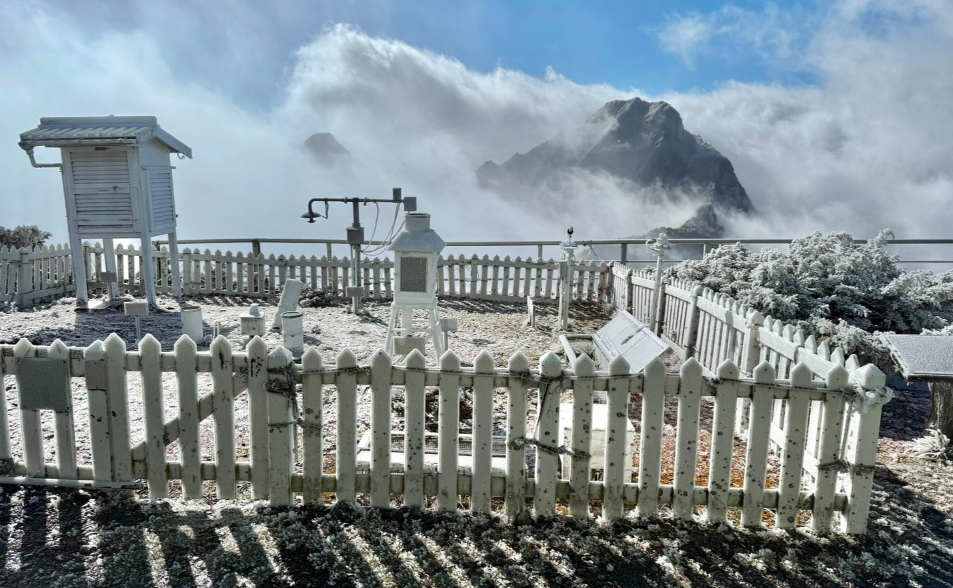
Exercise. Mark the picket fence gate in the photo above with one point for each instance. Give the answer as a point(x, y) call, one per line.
point(270, 379)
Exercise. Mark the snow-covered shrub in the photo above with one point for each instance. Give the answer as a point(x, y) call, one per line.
point(833, 287)
point(23, 236)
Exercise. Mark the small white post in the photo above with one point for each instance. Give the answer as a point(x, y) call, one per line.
point(148, 269)
point(659, 246)
point(109, 252)
point(174, 262)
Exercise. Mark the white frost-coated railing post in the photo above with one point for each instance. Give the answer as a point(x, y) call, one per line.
point(150, 353)
point(380, 429)
point(515, 432)
point(686, 439)
point(828, 455)
point(756, 459)
point(257, 354)
point(117, 396)
point(482, 446)
point(448, 432)
point(223, 415)
point(722, 442)
point(752, 356)
point(861, 432)
point(579, 473)
point(346, 458)
point(281, 428)
point(650, 446)
point(414, 416)
point(313, 423)
point(186, 374)
point(94, 358)
point(547, 434)
point(616, 439)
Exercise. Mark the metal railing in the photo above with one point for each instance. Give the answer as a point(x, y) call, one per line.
point(706, 245)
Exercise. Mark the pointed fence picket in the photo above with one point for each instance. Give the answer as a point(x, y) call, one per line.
point(836, 495)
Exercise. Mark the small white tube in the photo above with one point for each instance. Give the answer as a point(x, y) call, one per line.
point(292, 328)
point(192, 323)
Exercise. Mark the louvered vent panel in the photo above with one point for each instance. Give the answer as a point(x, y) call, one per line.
point(102, 191)
point(163, 207)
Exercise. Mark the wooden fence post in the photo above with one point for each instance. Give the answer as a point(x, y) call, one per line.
point(660, 309)
point(380, 429)
point(187, 271)
point(223, 416)
point(31, 429)
point(691, 326)
point(482, 446)
point(547, 438)
point(616, 439)
point(686, 439)
point(95, 359)
point(117, 397)
point(186, 374)
point(24, 279)
point(581, 438)
point(515, 433)
point(861, 431)
point(257, 357)
point(313, 423)
point(150, 353)
point(281, 428)
point(448, 431)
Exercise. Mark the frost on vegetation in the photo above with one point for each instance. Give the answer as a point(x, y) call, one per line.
point(933, 445)
point(833, 287)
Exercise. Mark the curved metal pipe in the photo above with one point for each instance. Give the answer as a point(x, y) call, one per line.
point(29, 152)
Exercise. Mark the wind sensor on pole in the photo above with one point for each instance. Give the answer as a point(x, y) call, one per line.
point(355, 233)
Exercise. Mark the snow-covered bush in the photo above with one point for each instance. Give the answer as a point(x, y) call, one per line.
point(23, 236)
point(835, 288)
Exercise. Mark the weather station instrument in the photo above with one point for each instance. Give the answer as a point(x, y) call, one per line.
point(355, 234)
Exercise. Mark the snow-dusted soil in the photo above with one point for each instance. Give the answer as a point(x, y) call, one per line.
point(75, 538)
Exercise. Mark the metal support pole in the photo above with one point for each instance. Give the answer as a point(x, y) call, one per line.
point(659, 246)
point(624, 255)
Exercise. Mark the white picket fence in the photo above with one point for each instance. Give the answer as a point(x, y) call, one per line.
point(101, 374)
point(240, 274)
point(28, 275)
point(713, 328)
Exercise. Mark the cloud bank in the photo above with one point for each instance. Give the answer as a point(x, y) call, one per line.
point(870, 145)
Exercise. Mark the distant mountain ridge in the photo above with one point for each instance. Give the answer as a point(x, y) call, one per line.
point(642, 142)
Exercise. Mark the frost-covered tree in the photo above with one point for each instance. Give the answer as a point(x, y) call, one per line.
point(23, 236)
point(833, 286)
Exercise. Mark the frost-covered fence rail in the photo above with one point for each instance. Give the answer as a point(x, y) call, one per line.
point(37, 274)
point(285, 408)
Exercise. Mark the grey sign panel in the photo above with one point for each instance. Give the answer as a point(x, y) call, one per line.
point(632, 339)
point(43, 383)
point(922, 357)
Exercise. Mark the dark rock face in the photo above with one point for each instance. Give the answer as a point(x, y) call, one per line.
point(326, 149)
point(642, 142)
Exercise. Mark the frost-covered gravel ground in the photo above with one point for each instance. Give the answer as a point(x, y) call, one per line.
point(75, 538)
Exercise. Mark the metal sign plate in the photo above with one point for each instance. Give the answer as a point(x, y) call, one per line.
point(43, 383)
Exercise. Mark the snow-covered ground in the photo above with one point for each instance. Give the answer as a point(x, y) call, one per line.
point(67, 538)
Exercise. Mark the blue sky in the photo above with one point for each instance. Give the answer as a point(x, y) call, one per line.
point(836, 115)
point(246, 49)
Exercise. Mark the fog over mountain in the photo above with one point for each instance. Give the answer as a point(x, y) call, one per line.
point(634, 141)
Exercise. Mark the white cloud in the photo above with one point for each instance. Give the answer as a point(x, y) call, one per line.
point(869, 146)
point(734, 33)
